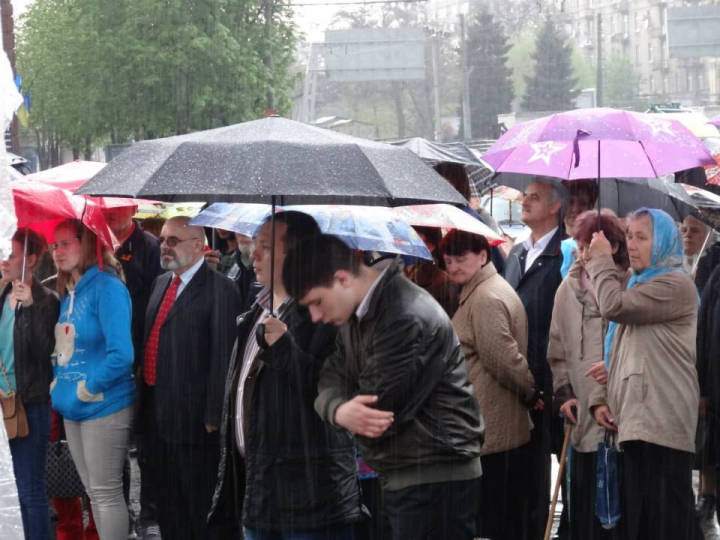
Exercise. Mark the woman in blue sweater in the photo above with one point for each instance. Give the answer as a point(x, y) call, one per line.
point(93, 387)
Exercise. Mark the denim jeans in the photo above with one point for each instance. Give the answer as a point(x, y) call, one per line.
point(29, 455)
point(336, 533)
point(99, 448)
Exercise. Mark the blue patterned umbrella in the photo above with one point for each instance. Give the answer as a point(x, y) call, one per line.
point(367, 228)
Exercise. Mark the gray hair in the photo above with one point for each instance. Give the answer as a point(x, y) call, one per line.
point(558, 193)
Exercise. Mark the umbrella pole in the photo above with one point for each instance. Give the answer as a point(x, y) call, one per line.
point(598, 181)
point(702, 250)
point(27, 233)
point(272, 258)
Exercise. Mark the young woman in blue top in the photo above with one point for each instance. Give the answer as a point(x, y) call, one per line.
point(27, 339)
point(93, 388)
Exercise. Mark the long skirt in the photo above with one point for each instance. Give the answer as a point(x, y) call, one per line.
point(584, 525)
point(657, 495)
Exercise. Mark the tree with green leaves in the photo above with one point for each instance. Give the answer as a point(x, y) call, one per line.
point(119, 71)
point(491, 85)
point(553, 86)
point(621, 86)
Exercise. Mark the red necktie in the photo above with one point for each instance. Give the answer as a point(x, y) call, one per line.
point(153, 342)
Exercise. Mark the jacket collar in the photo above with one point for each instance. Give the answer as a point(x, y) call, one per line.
point(391, 272)
point(482, 275)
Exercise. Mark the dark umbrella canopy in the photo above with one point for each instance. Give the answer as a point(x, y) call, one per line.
point(623, 195)
point(272, 160)
point(432, 153)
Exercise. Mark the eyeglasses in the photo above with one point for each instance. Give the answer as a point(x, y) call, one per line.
point(172, 241)
point(64, 244)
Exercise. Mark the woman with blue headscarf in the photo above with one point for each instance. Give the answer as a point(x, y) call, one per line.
point(651, 396)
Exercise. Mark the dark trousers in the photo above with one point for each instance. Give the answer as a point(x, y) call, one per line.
point(537, 482)
point(503, 504)
point(29, 455)
point(439, 511)
point(657, 495)
point(583, 478)
point(346, 532)
point(188, 473)
point(377, 527)
point(148, 474)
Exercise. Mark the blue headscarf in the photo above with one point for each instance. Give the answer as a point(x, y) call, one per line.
point(667, 252)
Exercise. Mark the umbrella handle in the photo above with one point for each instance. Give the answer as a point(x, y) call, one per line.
point(272, 262)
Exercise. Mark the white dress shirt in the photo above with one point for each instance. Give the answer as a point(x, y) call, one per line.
point(187, 275)
point(534, 251)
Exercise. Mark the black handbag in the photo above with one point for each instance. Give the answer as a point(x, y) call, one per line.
point(63, 480)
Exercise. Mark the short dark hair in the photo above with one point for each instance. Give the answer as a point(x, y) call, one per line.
point(456, 175)
point(457, 242)
point(299, 227)
point(314, 261)
point(36, 243)
point(588, 187)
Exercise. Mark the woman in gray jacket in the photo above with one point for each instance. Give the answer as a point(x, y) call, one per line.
point(651, 397)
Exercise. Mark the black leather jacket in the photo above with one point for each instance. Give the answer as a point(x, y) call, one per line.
point(34, 342)
point(299, 472)
point(405, 351)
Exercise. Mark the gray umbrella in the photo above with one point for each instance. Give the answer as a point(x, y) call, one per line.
point(432, 153)
point(272, 160)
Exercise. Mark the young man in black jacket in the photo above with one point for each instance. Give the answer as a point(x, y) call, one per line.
point(398, 381)
point(283, 472)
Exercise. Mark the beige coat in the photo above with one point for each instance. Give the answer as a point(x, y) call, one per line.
point(652, 389)
point(576, 341)
point(492, 327)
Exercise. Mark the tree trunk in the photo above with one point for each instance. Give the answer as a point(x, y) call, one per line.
point(88, 148)
point(399, 113)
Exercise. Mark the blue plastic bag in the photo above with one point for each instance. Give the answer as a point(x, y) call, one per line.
point(607, 487)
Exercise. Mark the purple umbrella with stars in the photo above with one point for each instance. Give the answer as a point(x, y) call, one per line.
point(598, 143)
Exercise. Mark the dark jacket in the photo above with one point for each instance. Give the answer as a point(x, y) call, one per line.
point(34, 342)
point(708, 342)
point(536, 287)
point(405, 351)
point(299, 473)
point(139, 256)
point(193, 355)
point(244, 278)
point(707, 263)
point(435, 281)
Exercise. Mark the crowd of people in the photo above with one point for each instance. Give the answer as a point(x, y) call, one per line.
point(288, 387)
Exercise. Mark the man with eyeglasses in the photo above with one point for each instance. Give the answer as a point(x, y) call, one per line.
point(189, 334)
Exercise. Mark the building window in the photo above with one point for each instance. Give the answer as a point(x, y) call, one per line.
point(638, 21)
point(652, 84)
point(689, 82)
point(613, 29)
point(665, 85)
point(647, 20)
point(700, 81)
point(626, 27)
point(637, 55)
point(650, 52)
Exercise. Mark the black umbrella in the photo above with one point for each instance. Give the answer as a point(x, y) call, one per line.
point(623, 195)
point(432, 153)
point(272, 160)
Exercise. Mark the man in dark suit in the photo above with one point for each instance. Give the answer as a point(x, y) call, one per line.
point(533, 270)
point(189, 334)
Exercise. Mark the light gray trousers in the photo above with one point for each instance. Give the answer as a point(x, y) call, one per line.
point(99, 448)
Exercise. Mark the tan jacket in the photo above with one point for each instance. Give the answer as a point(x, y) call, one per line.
point(576, 340)
point(492, 327)
point(652, 390)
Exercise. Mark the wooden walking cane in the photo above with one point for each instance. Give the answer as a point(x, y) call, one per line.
point(558, 481)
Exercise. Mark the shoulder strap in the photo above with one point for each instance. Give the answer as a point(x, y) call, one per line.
point(7, 379)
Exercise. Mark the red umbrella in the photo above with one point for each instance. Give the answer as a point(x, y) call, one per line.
point(73, 175)
point(41, 207)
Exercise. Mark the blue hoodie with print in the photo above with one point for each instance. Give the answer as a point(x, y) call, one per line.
point(94, 350)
